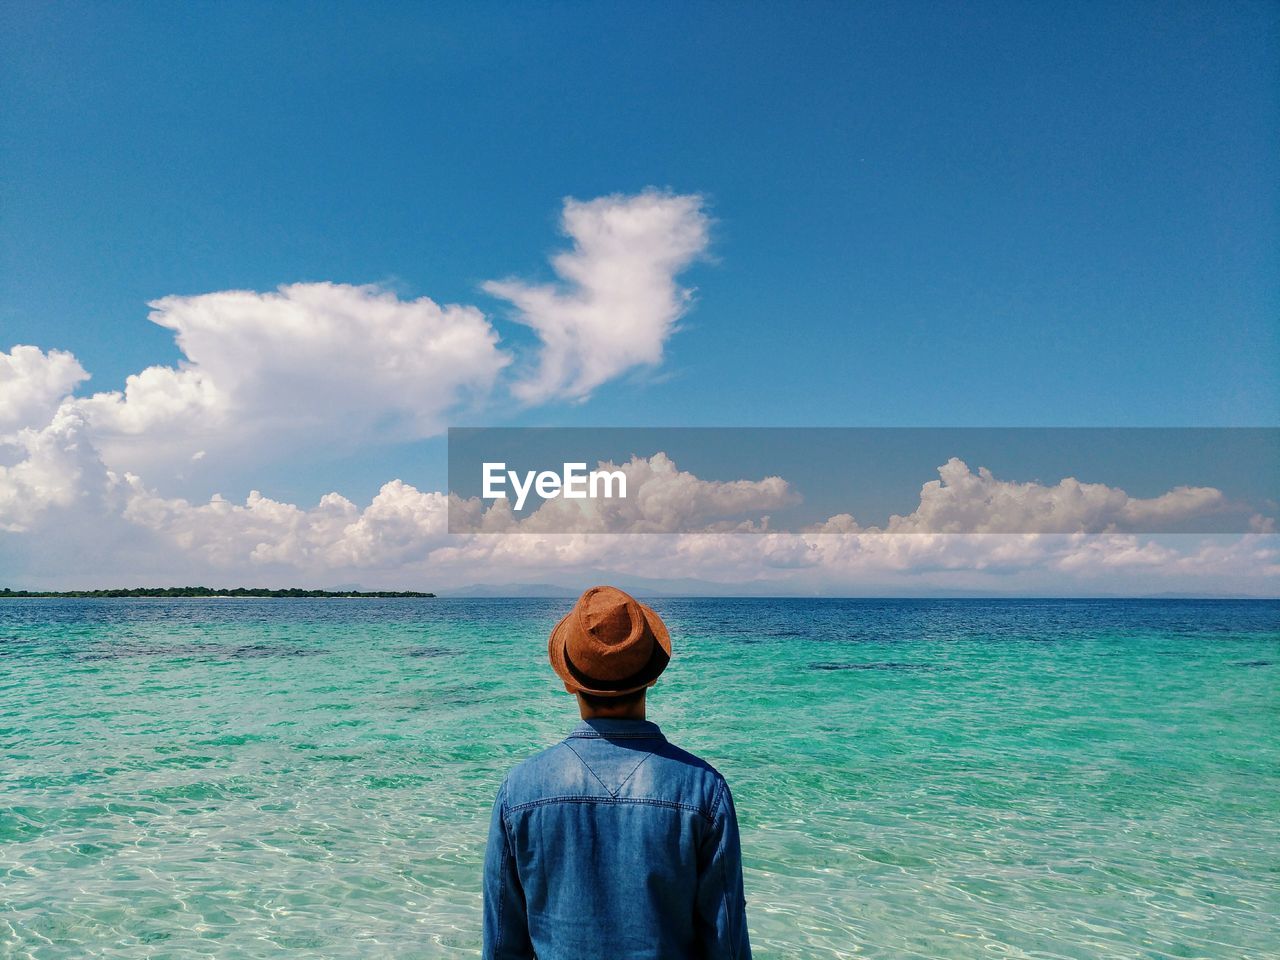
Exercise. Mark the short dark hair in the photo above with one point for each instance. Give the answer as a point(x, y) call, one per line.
point(598, 702)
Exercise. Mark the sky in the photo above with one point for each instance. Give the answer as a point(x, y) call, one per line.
point(318, 235)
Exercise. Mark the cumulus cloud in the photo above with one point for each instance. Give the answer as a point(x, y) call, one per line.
point(660, 498)
point(311, 364)
point(402, 533)
point(54, 468)
point(398, 527)
point(618, 300)
point(313, 368)
point(965, 501)
point(33, 385)
point(76, 517)
point(266, 375)
point(400, 540)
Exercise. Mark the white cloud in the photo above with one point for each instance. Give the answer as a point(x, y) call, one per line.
point(400, 539)
point(310, 366)
point(33, 384)
point(401, 526)
point(54, 468)
point(72, 518)
point(871, 563)
point(398, 527)
point(660, 498)
point(318, 368)
point(618, 302)
point(962, 501)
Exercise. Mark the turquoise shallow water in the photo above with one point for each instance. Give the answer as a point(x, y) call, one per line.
point(946, 779)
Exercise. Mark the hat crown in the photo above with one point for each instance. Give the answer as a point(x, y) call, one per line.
point(614, 640)
point(610, 615)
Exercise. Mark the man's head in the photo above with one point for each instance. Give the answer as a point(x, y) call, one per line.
point(608, 650)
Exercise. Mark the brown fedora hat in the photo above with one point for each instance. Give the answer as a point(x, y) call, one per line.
point(609, 644)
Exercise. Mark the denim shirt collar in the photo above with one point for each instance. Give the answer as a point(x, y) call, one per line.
point(615, 728)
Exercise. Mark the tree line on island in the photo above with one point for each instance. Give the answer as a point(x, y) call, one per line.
point(165, 592)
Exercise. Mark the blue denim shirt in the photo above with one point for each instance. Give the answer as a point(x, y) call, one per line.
point(614, 844)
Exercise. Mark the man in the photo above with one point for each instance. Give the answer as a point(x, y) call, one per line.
point(613, 844)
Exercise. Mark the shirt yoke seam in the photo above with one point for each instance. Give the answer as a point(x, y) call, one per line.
point(632, 773)
point(644, 801)
point(588, 766)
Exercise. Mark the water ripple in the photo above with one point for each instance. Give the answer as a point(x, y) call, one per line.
point(1028, 780)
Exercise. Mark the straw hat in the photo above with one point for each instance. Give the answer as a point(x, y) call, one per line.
point(609, 644)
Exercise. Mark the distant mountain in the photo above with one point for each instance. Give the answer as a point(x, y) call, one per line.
point(522, 590)
point(518, 590)
point(768, 590)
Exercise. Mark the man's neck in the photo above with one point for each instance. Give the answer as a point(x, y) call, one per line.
point(633, 711)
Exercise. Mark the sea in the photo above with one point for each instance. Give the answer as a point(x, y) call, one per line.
point(913, 778)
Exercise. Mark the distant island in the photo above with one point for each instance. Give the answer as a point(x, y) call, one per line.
point(167, 592)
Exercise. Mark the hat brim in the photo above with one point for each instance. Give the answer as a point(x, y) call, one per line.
point(645, 677)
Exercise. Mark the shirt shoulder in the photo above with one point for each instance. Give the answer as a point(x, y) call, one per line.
point(675, 770)
point(548, 771)
point(584, 769)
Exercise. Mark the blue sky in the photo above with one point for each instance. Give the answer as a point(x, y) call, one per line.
point(923, 214)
